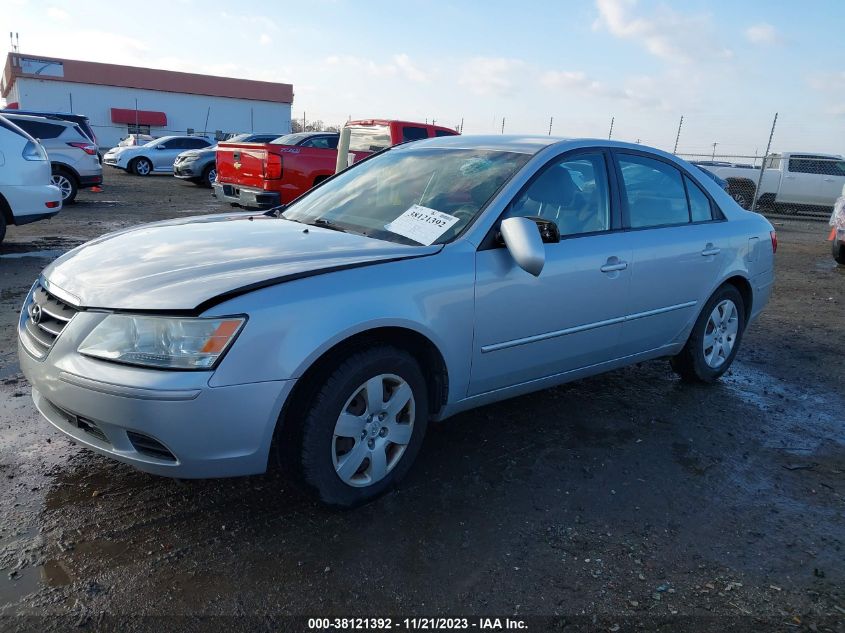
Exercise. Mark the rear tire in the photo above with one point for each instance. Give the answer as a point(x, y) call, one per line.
point(141, 167)
point(838, 250)
point(2, 226)
point(715, 338)
point(66, 182)
point(742, 192)
point(358, 431)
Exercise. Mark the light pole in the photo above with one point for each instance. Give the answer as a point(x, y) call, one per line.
point(713, 157)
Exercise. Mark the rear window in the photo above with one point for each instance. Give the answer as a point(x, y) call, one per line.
point(371, 138)
point(8, 125)
point(40, 129)
point(412, 133)
point(445, 133)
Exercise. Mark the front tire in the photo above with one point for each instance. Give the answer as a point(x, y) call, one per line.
point(715, 338)
point(208, 176)
point(362, 428)
point(142, 167)
point(66, 183)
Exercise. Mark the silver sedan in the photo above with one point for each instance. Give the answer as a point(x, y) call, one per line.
point(426, 280)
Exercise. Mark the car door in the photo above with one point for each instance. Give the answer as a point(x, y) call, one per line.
point(165, 155)
point(803, 182)
point(833, 179)
point(679, 243)
point(570, 316)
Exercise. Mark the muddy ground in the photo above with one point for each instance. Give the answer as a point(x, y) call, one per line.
point(625, 496)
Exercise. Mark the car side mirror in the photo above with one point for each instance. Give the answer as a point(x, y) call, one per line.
point(523, 241)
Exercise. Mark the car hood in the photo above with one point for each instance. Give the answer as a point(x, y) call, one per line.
point(184, 265)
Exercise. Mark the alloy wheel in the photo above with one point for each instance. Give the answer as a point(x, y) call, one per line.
point(720, 333)
point(373, 430)
point(63, 183)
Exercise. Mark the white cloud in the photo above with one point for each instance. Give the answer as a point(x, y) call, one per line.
point(831, 85)
point(399, 66)
point(490, 75)
point(265, 39)
point(54, 13)
point(763, 33)
point(403, 62)
point(638, 91)
point(666, 33)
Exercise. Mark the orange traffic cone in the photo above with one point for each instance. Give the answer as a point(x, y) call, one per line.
point(96, 189)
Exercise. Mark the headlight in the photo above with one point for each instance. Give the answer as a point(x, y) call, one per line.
point(163, 342)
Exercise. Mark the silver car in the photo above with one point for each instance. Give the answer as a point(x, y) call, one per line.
point(426, 280)
point(156, 156)
point(74, 161)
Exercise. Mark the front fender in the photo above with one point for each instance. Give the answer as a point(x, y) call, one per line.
point(293, 324)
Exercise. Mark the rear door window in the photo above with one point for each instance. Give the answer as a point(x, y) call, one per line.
point(654, 191)
point(699, 203)
point(40, 129)
point(445, 133)
point(412, 133)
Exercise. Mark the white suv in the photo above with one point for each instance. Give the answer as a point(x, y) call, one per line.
point(73, 156)
point(26, 194)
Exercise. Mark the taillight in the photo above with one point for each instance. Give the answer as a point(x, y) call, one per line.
point(273, 167)
point(774, 241)
point(53, 204)
point(33, 151)
point(88, 148)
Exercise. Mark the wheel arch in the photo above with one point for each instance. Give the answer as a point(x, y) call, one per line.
point(420, 346)
point(6, 211)
point(745, 291)
point(56, 165)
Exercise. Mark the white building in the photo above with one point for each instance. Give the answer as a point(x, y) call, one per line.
point(119, 100)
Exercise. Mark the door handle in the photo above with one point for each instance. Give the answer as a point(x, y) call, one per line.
point(828, 179)
point(610, 267)
point(710, 250)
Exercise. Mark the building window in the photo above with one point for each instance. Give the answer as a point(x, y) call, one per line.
point(131, 128)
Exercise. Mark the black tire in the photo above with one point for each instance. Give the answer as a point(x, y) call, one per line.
point(838, 250)
point(306, 446)
point(209, 175)
point(141, 167)
point(690, 364)
point(2, 226)
point(67, 183)
point(742, 192)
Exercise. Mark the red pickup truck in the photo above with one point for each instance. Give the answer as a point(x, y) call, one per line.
point(264, 175)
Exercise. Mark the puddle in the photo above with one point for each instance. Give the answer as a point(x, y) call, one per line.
point(54, 574)
point(48, 254)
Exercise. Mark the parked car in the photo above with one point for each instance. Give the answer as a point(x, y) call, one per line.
point(790, 178)
point(199, 165)
point(155, 156)
point(134, 140)
point(26, 193)
point(80, 119)
point(73, 155)
point(257, 176)
point(431, 278)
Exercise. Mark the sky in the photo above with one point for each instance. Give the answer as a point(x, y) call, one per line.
point(726, 66)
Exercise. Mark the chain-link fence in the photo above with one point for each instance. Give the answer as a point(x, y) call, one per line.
point(806, 185)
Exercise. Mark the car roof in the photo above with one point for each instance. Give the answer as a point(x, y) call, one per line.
point(35, 117)
point(46, 113)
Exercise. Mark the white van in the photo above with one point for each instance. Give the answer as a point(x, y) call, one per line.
point(26, 194)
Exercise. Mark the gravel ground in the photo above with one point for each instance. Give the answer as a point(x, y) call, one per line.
point(605, 502)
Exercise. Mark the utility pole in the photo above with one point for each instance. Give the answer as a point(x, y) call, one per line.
point(303, 120)
point(678, 136)
point(551, 120)
point(763, 166)
point(461, 129)
point(610, 133)
point(713, 157)
point(503, 125)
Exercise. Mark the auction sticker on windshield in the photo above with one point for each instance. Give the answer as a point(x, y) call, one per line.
point(421, 224)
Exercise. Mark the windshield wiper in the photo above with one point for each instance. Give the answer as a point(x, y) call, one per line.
point(328, 224)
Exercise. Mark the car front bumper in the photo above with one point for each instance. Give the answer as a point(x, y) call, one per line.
point(167, 423)
point(246, 197)
point(188, 171)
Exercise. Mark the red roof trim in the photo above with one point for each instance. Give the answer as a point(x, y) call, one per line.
point(143, 117)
